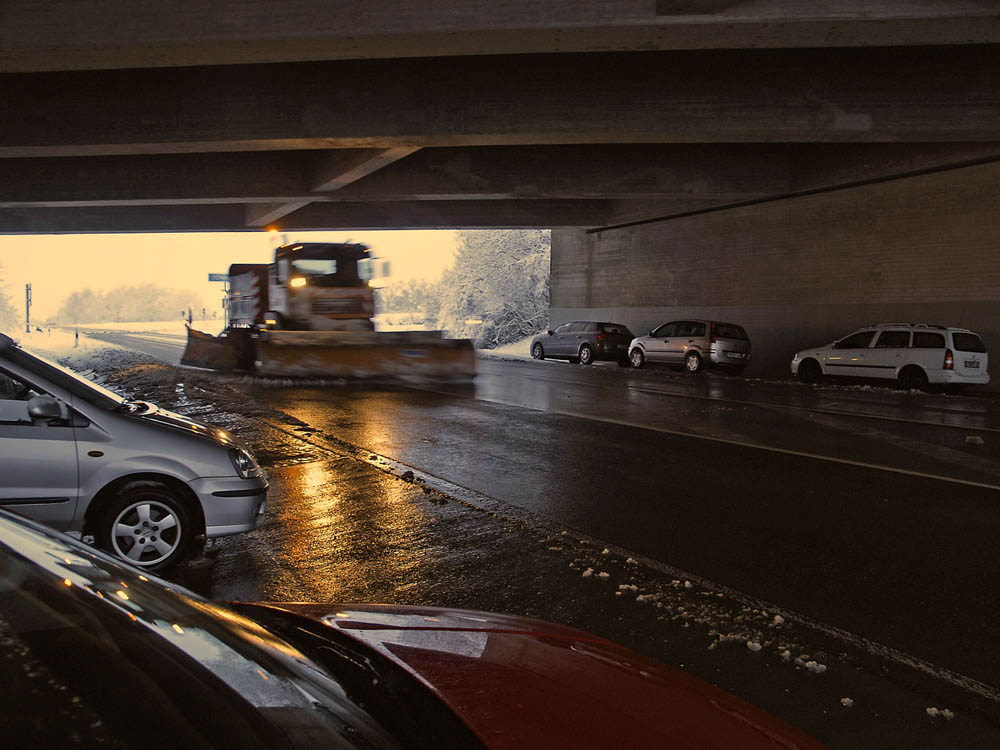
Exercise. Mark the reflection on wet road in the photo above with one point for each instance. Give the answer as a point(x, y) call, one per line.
point(888, 555)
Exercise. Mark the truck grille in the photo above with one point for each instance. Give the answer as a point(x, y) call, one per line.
point(344, 306)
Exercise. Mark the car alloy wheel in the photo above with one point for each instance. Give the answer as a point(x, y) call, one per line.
point(586, 355)
point(637, 358)
point(537, 352)
point(146, 526)
point(692, 362)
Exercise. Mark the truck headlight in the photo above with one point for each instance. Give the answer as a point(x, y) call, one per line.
point(245, 466)
point(297, 282)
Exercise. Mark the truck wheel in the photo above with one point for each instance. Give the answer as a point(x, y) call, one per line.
point(145, 525)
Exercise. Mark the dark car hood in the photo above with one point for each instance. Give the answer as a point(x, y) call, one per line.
point(519, 682)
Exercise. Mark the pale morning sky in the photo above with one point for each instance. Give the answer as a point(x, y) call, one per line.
point(57, 265)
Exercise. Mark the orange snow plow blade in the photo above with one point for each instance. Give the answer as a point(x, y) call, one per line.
point(364, 354)
point(233, 350)
point(403, 355)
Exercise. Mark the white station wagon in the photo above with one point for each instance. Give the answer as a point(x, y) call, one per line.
point(912, 354)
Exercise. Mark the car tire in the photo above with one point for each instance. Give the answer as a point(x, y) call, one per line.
point(586, 355)
point(636, 358)
point(692, 363)
point(810, 371)
point(145, 525)
point(912, 378)
point(537, 352)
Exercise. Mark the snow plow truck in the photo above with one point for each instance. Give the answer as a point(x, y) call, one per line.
point(309, 314)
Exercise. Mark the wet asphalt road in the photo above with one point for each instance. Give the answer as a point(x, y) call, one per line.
point(896, 557)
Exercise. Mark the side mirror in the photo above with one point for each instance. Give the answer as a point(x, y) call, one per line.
point(46, 408)
point(549, 332)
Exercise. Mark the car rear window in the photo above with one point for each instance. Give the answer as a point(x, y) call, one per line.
point(613, 329)
point(924, 340)
point(968, 342)
point(730, 331)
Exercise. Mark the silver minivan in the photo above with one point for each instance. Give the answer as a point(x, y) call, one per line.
point(145, 482)
point(694, 345)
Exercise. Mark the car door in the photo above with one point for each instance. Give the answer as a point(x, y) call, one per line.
point(658, 341)
point(560, 340)
point(580, 333)
point(889, 353)
point(849, 356)
point(38, 461)
point(682, 337)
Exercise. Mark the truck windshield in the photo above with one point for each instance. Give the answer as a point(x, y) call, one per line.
point(315, 267)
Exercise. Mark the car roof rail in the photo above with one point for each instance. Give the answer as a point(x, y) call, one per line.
point(907, 325)
point(6, 341)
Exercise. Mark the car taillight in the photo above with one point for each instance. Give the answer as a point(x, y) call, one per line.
point(601, 336)
point(949, 360)
point(713, 333)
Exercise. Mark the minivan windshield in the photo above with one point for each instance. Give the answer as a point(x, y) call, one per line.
point(79, 386)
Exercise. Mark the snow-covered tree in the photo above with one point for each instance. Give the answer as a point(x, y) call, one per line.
point(415, 295)
point(500, 278)
point(128, 303)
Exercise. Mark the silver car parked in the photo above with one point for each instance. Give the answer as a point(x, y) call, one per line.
point(693, 345)
point(144, 481)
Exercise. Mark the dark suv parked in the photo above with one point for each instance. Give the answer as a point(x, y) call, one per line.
point(584, 342)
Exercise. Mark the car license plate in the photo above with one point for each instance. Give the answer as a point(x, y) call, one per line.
point(735, 355)
point(972, 363)
point(621, 346)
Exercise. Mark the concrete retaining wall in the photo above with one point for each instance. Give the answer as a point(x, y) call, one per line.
point(802, 271)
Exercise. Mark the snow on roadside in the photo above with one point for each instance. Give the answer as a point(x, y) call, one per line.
point(61, 344)
point(518, 350)
point(211, 326)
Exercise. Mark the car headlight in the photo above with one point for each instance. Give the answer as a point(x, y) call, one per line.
point(246, 467)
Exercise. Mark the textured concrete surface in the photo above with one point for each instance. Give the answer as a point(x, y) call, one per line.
point(800, 272)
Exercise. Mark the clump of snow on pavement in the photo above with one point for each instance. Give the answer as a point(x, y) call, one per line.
point(754, 646)
point(943, 713)
point(846, 702)
point(588, 572)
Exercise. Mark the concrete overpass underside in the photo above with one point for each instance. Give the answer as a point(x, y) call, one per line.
point(801, 168)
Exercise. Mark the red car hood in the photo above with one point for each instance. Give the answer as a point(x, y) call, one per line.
point(523, 683)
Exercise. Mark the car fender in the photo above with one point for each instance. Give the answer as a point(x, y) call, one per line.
point(143, 465)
